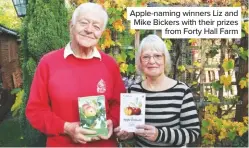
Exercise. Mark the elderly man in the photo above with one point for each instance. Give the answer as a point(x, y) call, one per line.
point(77, 70)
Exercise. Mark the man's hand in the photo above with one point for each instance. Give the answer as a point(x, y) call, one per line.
point(78, 134)
point(110, 130)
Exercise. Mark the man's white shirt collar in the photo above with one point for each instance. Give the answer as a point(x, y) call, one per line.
point(68, 51)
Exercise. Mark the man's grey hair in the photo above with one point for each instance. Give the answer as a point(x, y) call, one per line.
point(90, 7)
point(153, 42)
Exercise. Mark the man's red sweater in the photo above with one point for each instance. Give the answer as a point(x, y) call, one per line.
point(55, 89)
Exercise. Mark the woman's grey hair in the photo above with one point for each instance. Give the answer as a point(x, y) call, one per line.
point(153, 42)
point(90, 7)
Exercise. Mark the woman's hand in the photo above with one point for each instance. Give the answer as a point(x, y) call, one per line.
point(78, 134)
point(122, 135)
point(147, 131)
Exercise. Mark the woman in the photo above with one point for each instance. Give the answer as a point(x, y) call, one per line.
point(170, 116)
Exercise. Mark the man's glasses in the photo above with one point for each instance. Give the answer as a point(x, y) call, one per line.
point(156, 57)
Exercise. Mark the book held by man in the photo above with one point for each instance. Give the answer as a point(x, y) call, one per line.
point(92, 114)
point(132, 111)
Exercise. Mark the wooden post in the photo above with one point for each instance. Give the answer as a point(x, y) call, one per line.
point(137, 39)
point(223, 48)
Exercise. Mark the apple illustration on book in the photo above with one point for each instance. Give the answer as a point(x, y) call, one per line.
point(92, 113)
point(89, 110)
point(128, 111)
point(135, 110)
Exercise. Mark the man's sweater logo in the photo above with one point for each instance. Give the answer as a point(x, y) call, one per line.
point(101, 87)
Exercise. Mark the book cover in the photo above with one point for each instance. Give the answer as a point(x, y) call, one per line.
point(132, 111)
point(92, 114)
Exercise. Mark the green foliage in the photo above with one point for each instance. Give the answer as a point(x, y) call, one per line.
point(205, 123)
point(31, 66)
point(15, 91)
point(8, 15)
point(115, 13)
point(181, 68)
point(18, 101)
point(218, 123)
point(231, 135)
point(131, 69)
point(243, 53)
point(213, 98)
point(228, 64)
point(241, 141)
point(216, 85)
point(213, 52)
point(46, 29)
point(234, 47)
point(131, 54)
point(10, 135)
point(168, 43)
point(120, 58)
point(126, 40)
